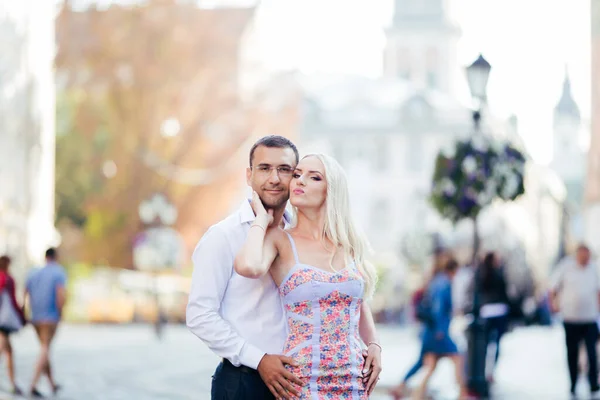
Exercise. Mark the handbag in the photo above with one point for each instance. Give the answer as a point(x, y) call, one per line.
point(10, 320)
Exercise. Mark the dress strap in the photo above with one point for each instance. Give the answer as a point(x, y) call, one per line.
point(293, 247)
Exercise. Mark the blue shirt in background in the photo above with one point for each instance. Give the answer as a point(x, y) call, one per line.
point(42, 285)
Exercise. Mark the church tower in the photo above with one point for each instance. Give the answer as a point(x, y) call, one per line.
point(422, 45)
point(568, 157)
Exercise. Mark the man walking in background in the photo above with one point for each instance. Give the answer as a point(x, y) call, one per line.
point(45, 289)
point(576, 280)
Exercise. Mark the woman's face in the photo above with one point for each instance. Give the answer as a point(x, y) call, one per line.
point(308, 188)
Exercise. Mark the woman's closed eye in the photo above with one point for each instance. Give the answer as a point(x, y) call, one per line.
point(295, 175)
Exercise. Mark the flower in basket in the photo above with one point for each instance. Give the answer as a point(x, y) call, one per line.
point(471, 175)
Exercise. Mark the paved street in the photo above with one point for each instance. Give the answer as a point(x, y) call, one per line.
point(129, 363)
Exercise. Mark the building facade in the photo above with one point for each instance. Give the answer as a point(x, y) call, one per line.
point(387, 132)
point(27, 137)
point(592, 190)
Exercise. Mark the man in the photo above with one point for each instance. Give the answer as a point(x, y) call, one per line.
point(577, 281)
point(241, 319)
point(46, 291)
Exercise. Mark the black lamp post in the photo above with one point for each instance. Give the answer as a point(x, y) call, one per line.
point(477, 77)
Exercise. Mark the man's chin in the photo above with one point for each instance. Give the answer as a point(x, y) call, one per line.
point(274, 204)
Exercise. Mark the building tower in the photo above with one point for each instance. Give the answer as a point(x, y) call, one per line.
point(422, 45)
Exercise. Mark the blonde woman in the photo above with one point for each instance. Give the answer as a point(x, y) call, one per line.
point(323, 278)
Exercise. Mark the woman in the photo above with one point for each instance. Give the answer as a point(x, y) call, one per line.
point(323, 278)
point(7, 283)
point(437, 342)
point(494, 302)
point(440, 260)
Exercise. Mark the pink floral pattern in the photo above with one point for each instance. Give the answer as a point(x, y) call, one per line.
point(331, 339)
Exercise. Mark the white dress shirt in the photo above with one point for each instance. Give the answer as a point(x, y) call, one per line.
point(238, 318)
point(579, 287)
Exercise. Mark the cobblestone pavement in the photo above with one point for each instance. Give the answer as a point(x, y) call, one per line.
point(130, 363)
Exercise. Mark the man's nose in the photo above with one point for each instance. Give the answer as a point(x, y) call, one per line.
point(274, 177)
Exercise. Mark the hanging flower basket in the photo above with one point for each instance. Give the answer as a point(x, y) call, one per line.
point(472, 174)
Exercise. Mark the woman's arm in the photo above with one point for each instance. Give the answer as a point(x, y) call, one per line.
point(366, 325)
point(258, 252)
point(368, 334)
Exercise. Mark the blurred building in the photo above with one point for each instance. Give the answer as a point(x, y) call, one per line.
point(592, 195)
point(387, 132)
point(26, 130)
point(569, 156)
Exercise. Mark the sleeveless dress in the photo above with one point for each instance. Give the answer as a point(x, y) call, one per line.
point(323, 310)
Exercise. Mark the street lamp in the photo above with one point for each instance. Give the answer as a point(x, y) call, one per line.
point(478, 74)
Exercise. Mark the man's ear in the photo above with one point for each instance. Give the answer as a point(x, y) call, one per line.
point(248, 175)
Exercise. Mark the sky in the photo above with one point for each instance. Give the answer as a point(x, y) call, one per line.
point(528, 43)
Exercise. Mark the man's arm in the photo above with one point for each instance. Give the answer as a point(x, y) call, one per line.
point(213, 266)
point(61, 292)
point(556, 280)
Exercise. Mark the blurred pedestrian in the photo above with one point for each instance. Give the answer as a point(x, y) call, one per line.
point(422, 313)
point(576, 281)
point(45, 289)
point(12, 319)
point(494, 303)
point(437, 342)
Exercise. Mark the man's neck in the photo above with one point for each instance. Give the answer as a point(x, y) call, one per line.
point(278, 219)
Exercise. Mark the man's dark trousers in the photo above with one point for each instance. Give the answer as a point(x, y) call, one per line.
point(575, 333)
point(238, 383)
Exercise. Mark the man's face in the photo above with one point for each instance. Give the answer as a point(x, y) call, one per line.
point(270, 175)
point(583, 256)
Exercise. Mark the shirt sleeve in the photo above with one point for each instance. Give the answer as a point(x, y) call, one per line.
point(61, 278)
point(213, 266)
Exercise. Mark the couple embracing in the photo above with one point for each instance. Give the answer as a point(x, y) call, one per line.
point(281, 298)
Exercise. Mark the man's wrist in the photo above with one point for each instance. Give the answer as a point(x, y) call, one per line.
point(251, 356)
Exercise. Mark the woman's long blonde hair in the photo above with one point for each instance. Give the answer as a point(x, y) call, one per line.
point(339, 225)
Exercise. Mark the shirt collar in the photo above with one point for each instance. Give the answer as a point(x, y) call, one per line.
point(247, 214)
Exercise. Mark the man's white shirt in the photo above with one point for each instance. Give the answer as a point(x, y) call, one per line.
point(238, 318)
point(578, 287)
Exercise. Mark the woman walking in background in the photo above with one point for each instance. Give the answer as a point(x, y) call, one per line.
point(11, 319)
point(437, 342)
point(494, 302)
point(440, 260)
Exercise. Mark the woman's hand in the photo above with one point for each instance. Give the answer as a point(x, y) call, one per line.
point(261, 213)
point(372, 367)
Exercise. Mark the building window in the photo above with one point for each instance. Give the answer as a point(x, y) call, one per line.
point(403, 63)
point(432, 57)
point(339, 152)
point(432, 80)
point(414, 159)
point(382, 155)
point(380, 215)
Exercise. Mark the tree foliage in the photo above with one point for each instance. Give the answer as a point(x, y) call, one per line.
point(122, 72)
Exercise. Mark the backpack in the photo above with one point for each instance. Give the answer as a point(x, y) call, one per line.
point(423, 307)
